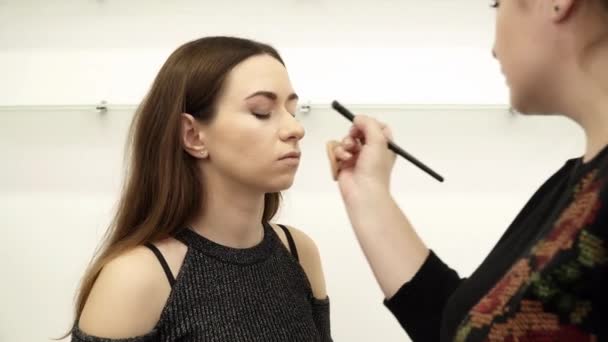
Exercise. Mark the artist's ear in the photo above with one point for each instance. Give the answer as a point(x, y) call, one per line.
point(193, 137)
point(561, 9)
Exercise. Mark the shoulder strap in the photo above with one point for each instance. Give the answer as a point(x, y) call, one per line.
point(292, 244)
point(163, 262)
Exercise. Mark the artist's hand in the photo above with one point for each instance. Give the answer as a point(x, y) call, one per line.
point(364, 161)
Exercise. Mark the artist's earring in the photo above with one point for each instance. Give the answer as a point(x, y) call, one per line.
point(203, 153)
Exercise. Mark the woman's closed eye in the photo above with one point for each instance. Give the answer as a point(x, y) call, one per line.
point(261, 114)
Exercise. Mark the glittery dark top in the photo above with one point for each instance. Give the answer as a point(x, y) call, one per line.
point(227, 294)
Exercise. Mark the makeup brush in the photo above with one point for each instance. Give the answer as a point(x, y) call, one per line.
point(391, 145)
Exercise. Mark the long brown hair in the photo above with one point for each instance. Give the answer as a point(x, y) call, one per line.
point(162, 189)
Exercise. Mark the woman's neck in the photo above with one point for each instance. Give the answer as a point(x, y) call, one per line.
point(230, 216)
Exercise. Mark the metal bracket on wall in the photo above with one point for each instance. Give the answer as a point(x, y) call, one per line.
point(102, 107)
point(305, 107)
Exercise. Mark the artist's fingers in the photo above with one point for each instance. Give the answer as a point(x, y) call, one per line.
point(342, 154)
point(371, 130)
point(356, 133)
point(348, 142)
point(351, 145)
point(388, 133)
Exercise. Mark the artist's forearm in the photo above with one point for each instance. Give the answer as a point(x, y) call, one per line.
point(389, 242)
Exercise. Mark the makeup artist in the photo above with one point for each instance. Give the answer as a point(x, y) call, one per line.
point(547, 277)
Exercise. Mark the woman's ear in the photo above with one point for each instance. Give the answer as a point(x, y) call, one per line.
point(561, 9)
point(193, 137)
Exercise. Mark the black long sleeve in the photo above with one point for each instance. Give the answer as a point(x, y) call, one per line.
point(419, 304)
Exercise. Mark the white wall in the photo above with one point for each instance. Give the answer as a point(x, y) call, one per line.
point(65, 52)
point(62, 165)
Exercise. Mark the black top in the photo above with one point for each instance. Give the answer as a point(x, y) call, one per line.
point(546, 278)
point(227, 294)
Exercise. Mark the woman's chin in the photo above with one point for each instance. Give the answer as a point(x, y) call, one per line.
point(280, 184)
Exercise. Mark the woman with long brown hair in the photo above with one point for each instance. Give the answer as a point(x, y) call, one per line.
point(191, 254)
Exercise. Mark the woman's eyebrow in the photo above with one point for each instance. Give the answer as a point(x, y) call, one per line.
point(272, 96)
